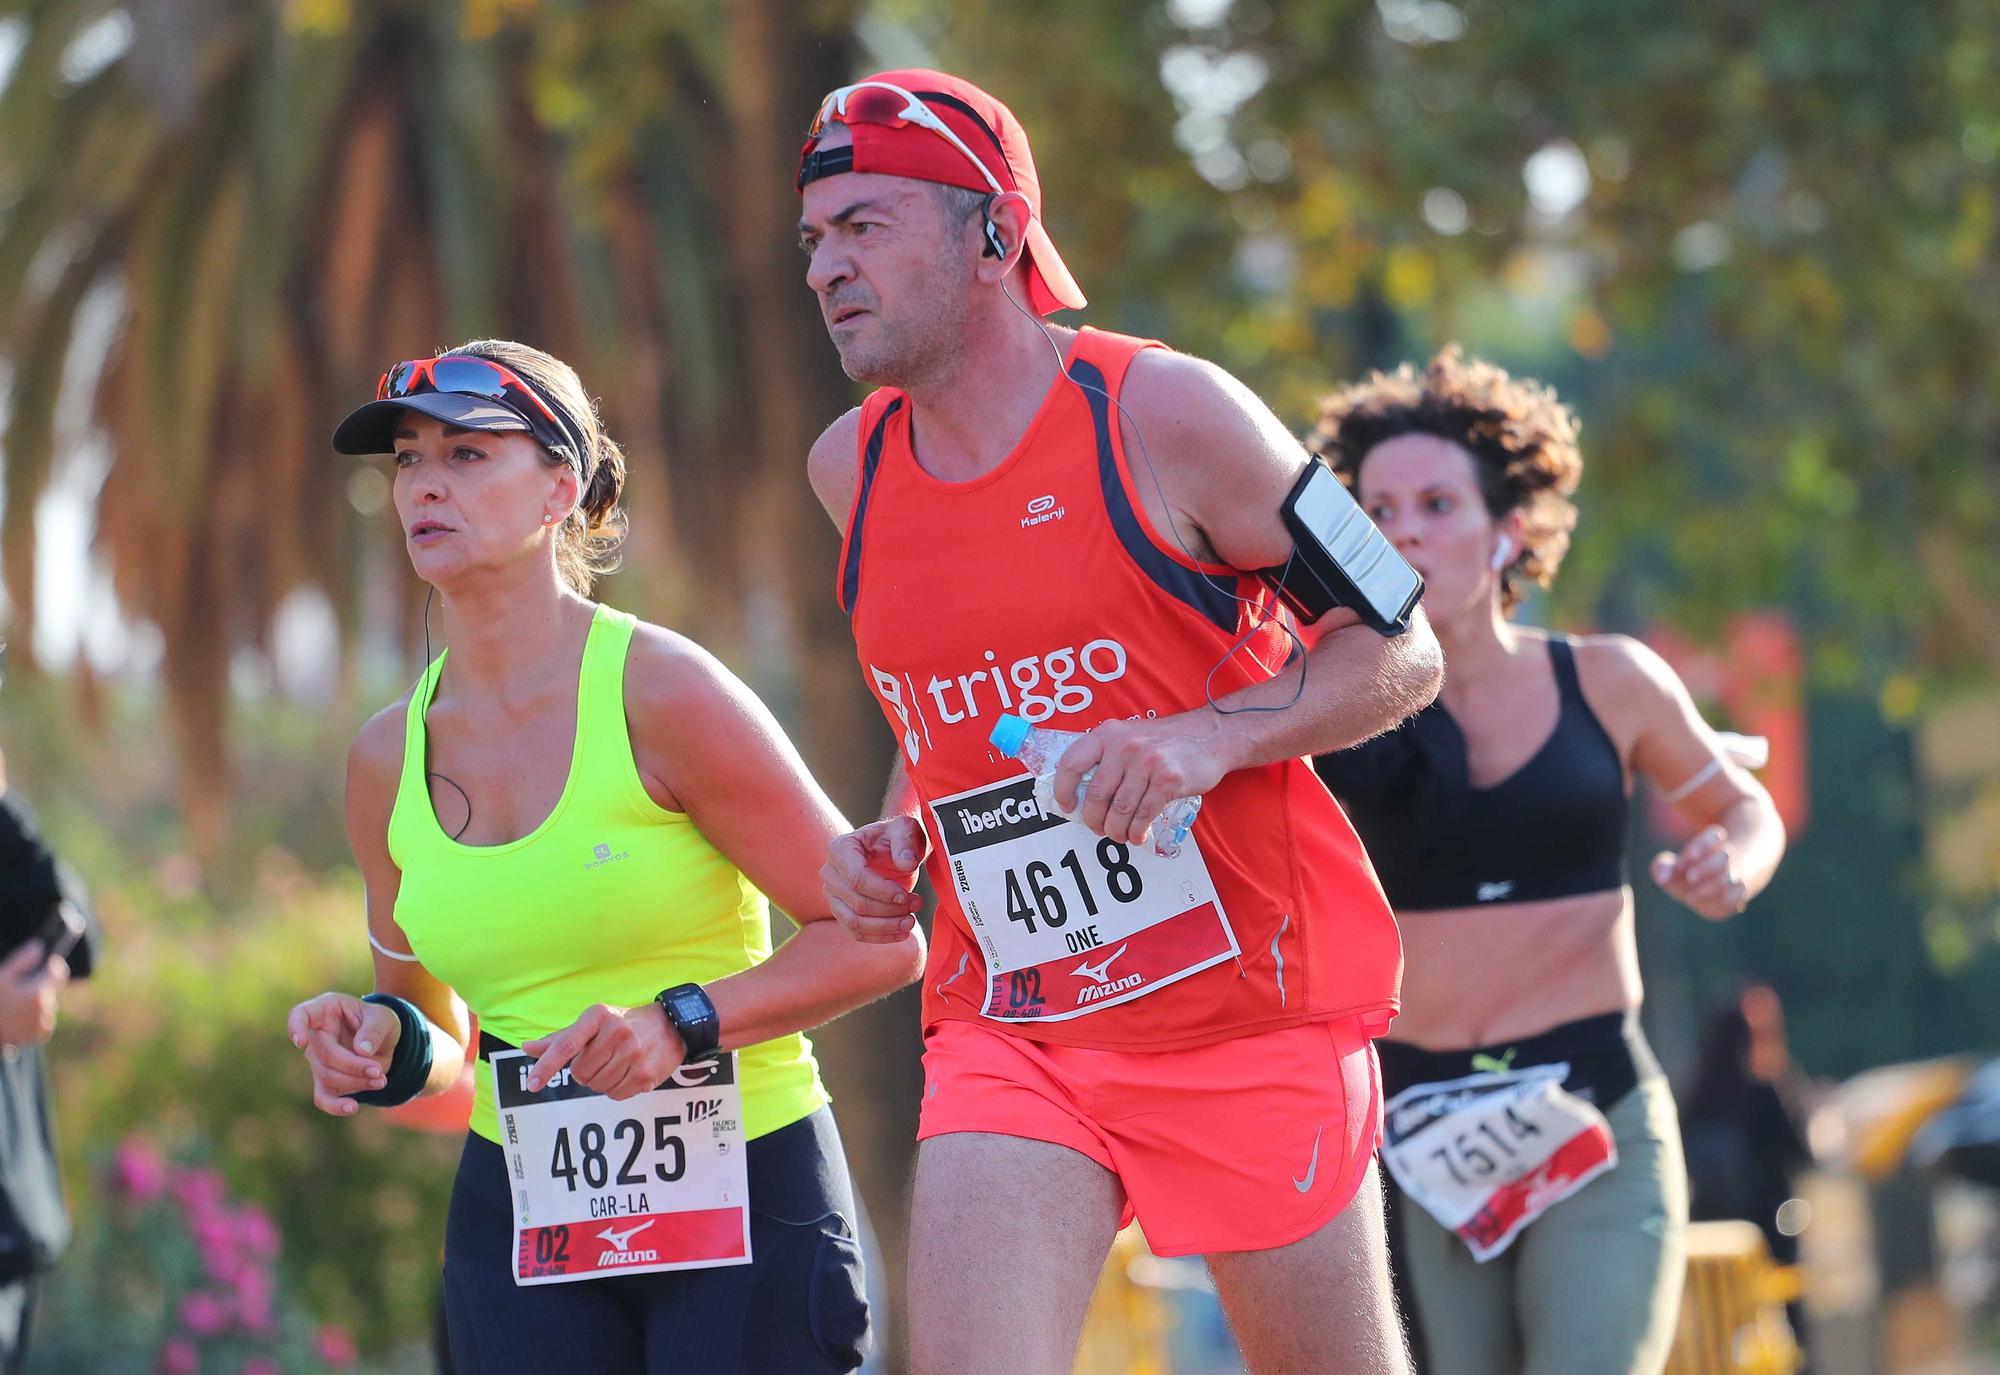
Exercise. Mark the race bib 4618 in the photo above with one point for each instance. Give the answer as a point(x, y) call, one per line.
point(1071, 922)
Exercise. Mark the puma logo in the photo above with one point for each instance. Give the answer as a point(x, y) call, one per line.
point(1100, 972)
point(623, 1240)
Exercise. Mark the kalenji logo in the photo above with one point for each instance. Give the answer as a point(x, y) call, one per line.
point(624, 1254)
point(1034, 687)
point(1041, 511)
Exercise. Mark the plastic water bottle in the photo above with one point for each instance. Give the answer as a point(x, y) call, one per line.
point(1042, 749)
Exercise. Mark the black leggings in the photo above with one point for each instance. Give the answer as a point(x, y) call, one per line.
point(800, 1306)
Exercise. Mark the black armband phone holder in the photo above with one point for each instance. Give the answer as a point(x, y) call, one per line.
point(1340, 558)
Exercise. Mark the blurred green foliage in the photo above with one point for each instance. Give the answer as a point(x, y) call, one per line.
point(181, 1038)
point(178, 1040)
point(1756, 249)
point(173, 1277)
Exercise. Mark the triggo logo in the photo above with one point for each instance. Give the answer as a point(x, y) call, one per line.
point(1041, 511)
point(1034, 687)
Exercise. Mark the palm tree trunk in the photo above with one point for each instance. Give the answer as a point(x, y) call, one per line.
point(871, 1056)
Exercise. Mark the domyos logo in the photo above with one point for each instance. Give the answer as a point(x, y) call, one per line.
point(1035, 687)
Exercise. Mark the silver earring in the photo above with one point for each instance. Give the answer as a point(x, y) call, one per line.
point(548, 519)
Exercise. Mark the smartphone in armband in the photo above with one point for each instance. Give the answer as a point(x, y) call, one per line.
point(1340, 558)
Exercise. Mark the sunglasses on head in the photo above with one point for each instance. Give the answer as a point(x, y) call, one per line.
point(466, 375)
point(881, 102)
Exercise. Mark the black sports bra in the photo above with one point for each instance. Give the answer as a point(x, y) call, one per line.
point(1553, 828)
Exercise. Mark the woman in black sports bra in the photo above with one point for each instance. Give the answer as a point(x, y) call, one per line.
point(1541, 1200)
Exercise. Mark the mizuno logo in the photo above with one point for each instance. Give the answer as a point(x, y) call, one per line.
point(1091, 993)
point(1493, 892)
point(1100, 972)
point(1302, 1185)
point(623, 1240)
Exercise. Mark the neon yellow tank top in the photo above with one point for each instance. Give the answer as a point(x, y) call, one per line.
point(609, 900)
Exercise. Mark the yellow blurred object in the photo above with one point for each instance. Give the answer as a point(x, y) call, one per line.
point(1125, 1332)
point(1885, 1108)
point(1732, 1311)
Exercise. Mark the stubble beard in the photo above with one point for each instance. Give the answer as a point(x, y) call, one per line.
point(925, 343)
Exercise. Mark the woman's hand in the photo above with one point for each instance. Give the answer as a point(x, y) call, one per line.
point(1703, 875)
point(620, 1052)
point(348, 1045)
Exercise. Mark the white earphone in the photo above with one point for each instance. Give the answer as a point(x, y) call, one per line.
point(1502, 554)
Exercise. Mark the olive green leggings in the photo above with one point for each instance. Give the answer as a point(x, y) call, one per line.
point(1592, 1287)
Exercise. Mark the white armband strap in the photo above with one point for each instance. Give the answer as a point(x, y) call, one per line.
point(1708, 771)
point(1749, 751)
point(392, 954)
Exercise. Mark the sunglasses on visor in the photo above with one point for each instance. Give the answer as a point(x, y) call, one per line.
point(466, 375)
point(881, 102)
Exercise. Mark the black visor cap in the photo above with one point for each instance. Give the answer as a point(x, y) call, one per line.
point(371, 428)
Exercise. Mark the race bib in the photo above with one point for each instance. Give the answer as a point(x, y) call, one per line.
point(1488, 1154)
point(1072, 922)
point(657, 1182)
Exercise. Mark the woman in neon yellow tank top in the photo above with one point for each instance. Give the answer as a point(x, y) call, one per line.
point(570, 824)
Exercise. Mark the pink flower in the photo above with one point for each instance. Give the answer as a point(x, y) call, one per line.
point(199, 1191)
point(139, 1171)
point(205, 1314)
point(333, 1346)
point(254, 1292)
point(178, 1357)
point(212, 1231)
point(257, 1232)
point(224, 1267)
point(260, 1365)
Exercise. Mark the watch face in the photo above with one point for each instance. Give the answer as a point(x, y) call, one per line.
point(689, 1006)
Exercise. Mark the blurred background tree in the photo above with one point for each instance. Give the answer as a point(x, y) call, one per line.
point(1754, 247)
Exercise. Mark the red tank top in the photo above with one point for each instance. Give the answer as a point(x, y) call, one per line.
point(1043, 589)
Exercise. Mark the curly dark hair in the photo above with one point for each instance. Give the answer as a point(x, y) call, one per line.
point(1521, 438)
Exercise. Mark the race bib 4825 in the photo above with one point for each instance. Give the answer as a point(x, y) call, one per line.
point(657, 1182)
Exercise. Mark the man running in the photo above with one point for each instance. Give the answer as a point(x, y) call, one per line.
point(1060, 524)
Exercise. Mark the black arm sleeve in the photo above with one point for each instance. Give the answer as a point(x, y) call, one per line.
point(32, 882)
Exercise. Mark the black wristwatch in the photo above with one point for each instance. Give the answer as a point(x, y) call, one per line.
point(690, 1012)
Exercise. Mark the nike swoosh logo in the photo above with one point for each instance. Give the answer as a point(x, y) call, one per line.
point(1302, 1185)
point(963, 960)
